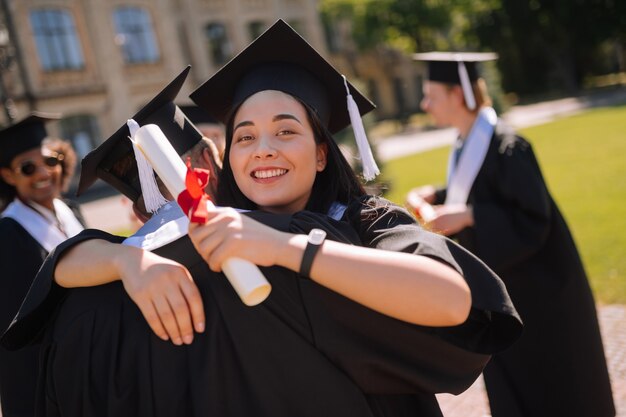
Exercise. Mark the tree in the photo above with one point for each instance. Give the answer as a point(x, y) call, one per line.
point(551, 45)
point(544, 45)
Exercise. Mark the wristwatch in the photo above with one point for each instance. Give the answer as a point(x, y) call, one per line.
point(314, 242)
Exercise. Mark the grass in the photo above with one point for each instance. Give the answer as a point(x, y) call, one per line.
point(583, 159)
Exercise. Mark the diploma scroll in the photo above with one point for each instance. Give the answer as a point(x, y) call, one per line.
point(422, 209)
point(244, 276)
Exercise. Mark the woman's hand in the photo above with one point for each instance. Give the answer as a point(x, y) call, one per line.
point(165, 293)
point(228, 233)
point(162, 289)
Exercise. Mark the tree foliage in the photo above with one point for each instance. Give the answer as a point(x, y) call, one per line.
point(544, 45)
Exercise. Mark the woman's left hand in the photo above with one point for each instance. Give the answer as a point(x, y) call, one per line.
point(227, 233)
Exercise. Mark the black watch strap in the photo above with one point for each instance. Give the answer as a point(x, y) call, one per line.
point(315, 240)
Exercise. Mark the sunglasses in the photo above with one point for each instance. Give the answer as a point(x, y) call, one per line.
point(28, 168)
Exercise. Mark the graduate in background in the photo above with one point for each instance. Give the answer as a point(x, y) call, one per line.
point(34, 170)
point(497, 205)
point(372, 321)
point(208, 126)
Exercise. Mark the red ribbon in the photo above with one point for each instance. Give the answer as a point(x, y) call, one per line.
point(193, 199)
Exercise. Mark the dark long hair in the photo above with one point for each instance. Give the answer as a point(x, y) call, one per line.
point(336, 183)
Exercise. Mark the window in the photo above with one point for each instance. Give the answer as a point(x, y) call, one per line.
point(82, 130)
point(219, 46)
point(135, 35)
point(55, 36)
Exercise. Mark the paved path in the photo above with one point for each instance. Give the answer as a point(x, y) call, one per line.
point(111, 214)
point(473, 402)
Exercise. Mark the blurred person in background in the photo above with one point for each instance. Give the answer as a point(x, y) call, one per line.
point(497, 205)
point(34, 171)
point(208, 126)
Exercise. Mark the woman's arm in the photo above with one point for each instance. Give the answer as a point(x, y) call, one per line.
point(163, 289)
point(413, 288)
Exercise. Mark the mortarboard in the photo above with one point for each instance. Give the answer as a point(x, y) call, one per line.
point(455, 68)
point(198, 115)
point(280, 59)
point(114, 160)
point(26, 134)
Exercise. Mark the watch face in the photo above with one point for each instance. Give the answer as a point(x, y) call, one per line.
point(317, 236)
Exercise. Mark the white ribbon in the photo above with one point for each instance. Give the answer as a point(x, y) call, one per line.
point(152, 197)
point(370, 169)
point(466, 85)
point(461, 178)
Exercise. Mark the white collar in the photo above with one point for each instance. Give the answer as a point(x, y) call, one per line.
point(43, 225)
point(168, 224)
point(336, 210)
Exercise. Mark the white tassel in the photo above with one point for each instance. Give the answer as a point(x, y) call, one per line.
point(370, 169)
point(152, 197)
point(467, 86)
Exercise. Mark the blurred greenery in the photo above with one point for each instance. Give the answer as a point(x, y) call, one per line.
point(582, 158)
point(544, 45)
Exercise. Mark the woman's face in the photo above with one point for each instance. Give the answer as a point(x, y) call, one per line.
point(273, 154)
point(438, 101)
point(34, 177)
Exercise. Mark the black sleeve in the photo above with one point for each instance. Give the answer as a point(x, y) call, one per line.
point(514, 224)
point(45, 295)
point(384, 225)
point(384, 355)
point(20, 257)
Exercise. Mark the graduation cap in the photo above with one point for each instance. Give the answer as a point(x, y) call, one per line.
point(280, 59)
point(114, 160)
point(456, 68)
point(23, 136)
point(198, 115)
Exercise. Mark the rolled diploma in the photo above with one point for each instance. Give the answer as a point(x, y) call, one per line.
point(426, 211)
point(244, 276)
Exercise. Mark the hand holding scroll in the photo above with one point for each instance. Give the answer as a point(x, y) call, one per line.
point(421, 208)
point(181, 181)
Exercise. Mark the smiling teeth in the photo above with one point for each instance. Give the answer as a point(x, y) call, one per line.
point(269, 173)
point(41, 184)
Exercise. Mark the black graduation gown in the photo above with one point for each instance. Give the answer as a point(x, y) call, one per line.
point(20, 257)
point(558, 366)
point(305, 351)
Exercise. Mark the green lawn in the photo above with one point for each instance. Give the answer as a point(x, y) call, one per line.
point(583, 159)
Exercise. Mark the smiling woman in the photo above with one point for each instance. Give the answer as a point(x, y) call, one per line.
point(274, 155)
point(33, 172)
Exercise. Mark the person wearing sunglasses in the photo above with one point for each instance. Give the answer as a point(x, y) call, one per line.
point(34, 171)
